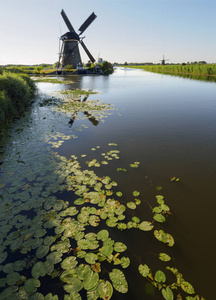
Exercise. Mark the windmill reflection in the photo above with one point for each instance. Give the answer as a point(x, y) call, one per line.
point(89, 116)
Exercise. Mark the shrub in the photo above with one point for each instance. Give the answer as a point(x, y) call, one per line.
point(107, 67)
point(15, 94)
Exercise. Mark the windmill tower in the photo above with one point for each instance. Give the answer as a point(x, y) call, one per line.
point(163, 61)
point(69, 54)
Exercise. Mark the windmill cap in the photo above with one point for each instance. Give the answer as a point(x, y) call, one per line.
point(70, 36)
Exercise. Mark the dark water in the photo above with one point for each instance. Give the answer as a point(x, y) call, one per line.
point(168, 124)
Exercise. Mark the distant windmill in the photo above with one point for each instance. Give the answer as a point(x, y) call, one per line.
point(69, 53)
point(163, 61)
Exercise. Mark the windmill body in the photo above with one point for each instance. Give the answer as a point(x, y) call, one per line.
point(69, 54)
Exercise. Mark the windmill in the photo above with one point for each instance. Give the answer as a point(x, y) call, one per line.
point(163, 61)
point(69, 53)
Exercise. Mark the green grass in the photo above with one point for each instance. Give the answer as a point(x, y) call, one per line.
point(191, 69)
point(15, 94)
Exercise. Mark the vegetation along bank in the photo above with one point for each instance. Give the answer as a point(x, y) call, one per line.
point(193, 69)
point(16, 92)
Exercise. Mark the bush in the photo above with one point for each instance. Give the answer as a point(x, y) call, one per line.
point(107, 67)
point(15, 94)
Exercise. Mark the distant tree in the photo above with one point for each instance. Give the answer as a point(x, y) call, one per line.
point(125, 64)
point(107, 67)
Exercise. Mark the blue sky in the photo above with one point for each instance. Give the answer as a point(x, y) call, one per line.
point(124, 31)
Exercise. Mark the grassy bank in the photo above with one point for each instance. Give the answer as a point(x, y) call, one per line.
point(195, 69)
point(16, 92)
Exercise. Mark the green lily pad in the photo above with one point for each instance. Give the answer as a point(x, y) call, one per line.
point(187, 287)
point(107, 250)
point(164, 257)
point(91, 281)
point(131, 205)
point(102, 235)
point(83, 271)
point(144, 270)
point(159, 218)
point(136, 220)
point(167, 293)
point(163, 237)
point(54, 258)
point(79, 201)
point(119, 194)
point(160, 199)
point(146, 226)
point(74, 284)
point(39, 269)
point(136, 193)
point(3, 256)
point(31, 285)
point(120, 209)
point(12, 278)
point(118, 279)
point(157, 209)
point(105, 290)
point(42, 251)
point(122, 226)
point(90, 258)
point(83, 244)
point(125, 262)
point(69, 262)
point(160, 276)
point(111, 222)
point(119, 247)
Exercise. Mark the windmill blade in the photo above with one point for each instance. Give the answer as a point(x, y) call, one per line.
point(87, 52)
point(87, 22)
point(68, 23)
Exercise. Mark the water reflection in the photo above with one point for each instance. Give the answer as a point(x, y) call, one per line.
point(89, 116)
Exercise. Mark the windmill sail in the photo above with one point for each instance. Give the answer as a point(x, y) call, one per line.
point(68, 23)
point(87, 52)
point(87, 22)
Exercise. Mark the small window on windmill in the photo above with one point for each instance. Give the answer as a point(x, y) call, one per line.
point(73, 54)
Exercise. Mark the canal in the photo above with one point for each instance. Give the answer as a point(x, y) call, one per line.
point(157, 136)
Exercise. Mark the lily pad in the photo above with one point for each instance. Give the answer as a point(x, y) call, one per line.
point(119, 247)
point(164, 257)
point(125, 262)
point(146, 226)
point(12, 278)
point(107, 250)
point(39, 269)
point(31, 285)
point(79, 201)
point(159, 218)
point(69, 262)
point(144, 270)
point(187, 287)
point(102, 235)
point(160, 276)
point(91, 281)
point(131, 205)
point(136, 193)
point(105, 290)
point(167, 293)
point(163, 237)
point(83, 271)
point(74, 284)
point(119, 282)
point(90, 258)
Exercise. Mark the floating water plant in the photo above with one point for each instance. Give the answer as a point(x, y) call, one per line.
point(71, 243)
